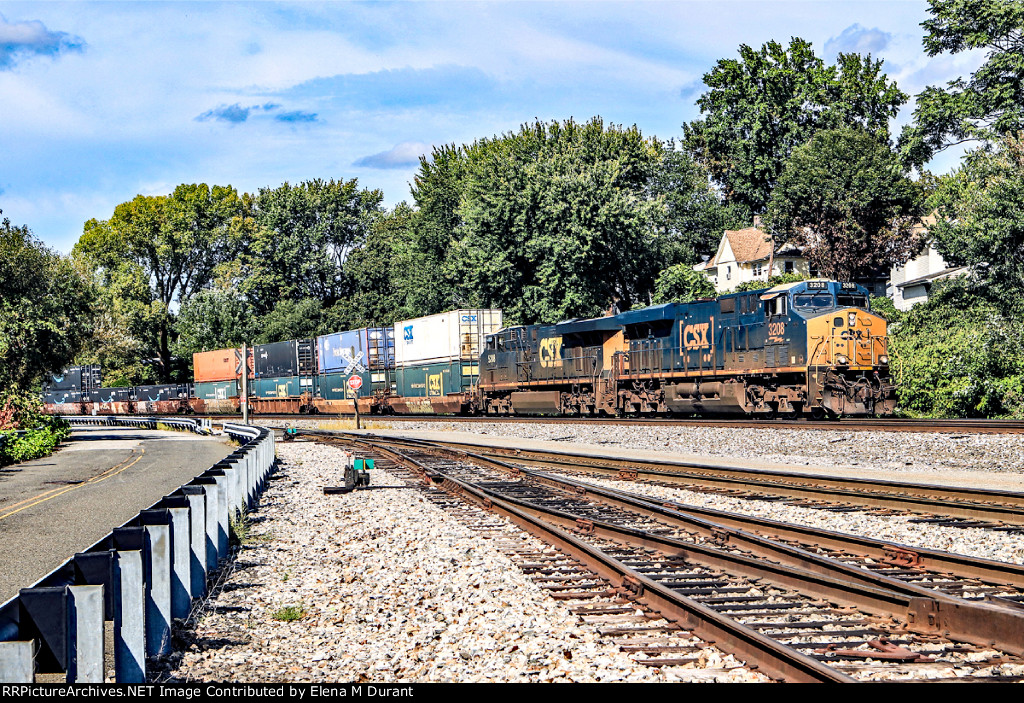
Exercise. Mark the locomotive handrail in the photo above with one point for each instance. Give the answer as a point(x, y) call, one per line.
point(141, 576)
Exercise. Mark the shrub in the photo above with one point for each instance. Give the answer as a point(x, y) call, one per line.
point(23, 411)
point(958, 356)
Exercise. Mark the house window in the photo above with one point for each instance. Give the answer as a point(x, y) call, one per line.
point(789, 267)
point(728, 273)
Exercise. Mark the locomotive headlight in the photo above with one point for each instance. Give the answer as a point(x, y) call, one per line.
point(883, 360)
point(842, 360)
point(852, 318)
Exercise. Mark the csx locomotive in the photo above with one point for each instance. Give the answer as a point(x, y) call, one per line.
point(810, 348)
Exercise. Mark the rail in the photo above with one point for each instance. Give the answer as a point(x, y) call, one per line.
point(140, 577)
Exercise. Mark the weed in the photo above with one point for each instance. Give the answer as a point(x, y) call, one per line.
point(290, 613)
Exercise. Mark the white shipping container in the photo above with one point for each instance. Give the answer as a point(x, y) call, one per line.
point(449, 336)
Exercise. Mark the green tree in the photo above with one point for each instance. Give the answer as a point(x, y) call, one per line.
point(695, 214)
point(178, 240)
point(766, 103)
point(990, 103)
point(213, 319)
point(291, 319)
point(45, 314)
point(302, 235)
point(680, 284)
point(126, 327)
point(980, 220)
point(958, 355)
point(556, 222)
point(384, 275)
point(847, 198)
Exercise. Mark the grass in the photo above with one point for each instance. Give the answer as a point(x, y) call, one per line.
point(290, 613)
point(241, 531)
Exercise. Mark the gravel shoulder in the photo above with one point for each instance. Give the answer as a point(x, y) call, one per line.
point(390, 589)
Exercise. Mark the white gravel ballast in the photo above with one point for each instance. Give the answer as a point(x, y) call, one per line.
point(383, 586)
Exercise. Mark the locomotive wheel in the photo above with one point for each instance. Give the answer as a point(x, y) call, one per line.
point(818, 413)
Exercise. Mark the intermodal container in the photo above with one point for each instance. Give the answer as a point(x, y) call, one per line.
point(217, 390)
point(436, 380)
point(61, 397)
point(76, 378)
point(281, 387)
point(161, 392)
point(291, 358)
point(450, 336)
point(109, 395)
point(334, 386)
point(218, 365)
point(342, 352)
point(380, 347)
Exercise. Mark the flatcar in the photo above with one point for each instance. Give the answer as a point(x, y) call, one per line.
point(809, 348)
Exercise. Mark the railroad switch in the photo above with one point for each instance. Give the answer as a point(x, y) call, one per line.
point(357, 475)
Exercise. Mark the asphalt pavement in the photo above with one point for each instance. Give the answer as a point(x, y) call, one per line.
point(52, 507)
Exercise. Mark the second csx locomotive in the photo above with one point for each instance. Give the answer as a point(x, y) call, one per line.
point(809, 348)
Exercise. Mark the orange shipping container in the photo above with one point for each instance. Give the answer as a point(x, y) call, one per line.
point(219, 365)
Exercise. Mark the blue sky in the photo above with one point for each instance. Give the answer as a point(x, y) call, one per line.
point(103, 101)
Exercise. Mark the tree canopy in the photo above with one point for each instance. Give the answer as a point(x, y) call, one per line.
point(846, 197)
point(176, 240)
point(769, 101)
point(985, 106)
point(45, 309)
point(300, 239)
point(980, 220)
point(555, 222)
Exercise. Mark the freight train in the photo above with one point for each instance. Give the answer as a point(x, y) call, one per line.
point(812, 348)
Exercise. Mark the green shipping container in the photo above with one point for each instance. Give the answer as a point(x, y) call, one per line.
point(435, 380)
point(334, 386)
point(281, 387)
point(217, 390)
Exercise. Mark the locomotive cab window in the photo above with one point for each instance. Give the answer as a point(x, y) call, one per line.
point(853, 301)
point(728, 305)
point(815, 301)
point(775, 306)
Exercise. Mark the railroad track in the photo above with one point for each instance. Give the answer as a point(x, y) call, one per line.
point(965, 426)
point(796, 614)
point(946, 506)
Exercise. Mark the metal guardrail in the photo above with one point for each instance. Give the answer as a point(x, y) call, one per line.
point(140, 577)
point(197, 425)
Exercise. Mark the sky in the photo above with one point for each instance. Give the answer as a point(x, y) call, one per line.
point(104, 101)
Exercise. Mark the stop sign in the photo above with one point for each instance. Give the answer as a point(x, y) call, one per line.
point(355, 382)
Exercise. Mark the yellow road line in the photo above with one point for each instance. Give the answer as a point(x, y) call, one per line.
point(63, 488)
point(112, 471)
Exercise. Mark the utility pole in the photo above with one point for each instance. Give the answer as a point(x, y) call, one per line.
point(245, 384)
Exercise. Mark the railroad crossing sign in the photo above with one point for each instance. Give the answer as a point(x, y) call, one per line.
point(352, 364)
point(355, 382)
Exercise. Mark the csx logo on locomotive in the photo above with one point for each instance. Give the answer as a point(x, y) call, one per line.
point(695, 336)
point(550, 352)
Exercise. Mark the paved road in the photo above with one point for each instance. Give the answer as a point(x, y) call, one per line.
point(64, 503)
